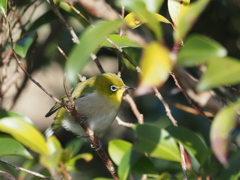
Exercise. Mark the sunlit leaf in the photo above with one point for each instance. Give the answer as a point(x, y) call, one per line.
point(52, 160)
point(153, 5)
point(133, 21)
point(4, 114)
point(10, 146)
point(188, 19)
point(222, 126)
point(142, 14)
point(176, 9)
point(3, 7)
point(122, 42)
point(157, 142)
point(220, 71)
point(89, 43)
point(22, 46)
point(155, 64)
point(25, 133)
point(191, 142)
point(117, 149)
point(199, 49)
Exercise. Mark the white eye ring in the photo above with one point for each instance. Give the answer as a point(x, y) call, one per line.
point(113, 88)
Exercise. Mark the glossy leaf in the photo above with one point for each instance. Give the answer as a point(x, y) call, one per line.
point(122, 42)
point(157, 142)
point(140, 11)
point(176, 9)
point(133, 21)
point(4, 114)
point(117, 149)
point(53, 159)
point(220, 71)
point(22, 46)
point(25, 133)
point(155, 64)
point(232, 172)
point(191, 142)
point(89, 43)
point(71, 163)
point(10, 146)
point(199, 49)
point(3, 7)
point(222, 126)
point(188, 19)
point(153, 5)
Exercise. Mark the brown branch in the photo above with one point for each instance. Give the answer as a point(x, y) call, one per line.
point(169, 114)
point(134, 108)
point(189, 99)
point(72, 111)
point(69, 28)
point(125, 124)
point(26, 170)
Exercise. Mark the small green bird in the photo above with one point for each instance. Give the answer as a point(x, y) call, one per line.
point(97, 99)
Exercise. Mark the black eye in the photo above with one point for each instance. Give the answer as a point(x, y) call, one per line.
point(113, 88)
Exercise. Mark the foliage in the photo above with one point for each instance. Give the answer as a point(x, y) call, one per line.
point(199, 65)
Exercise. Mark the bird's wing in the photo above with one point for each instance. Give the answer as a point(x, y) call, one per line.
point(78, 92)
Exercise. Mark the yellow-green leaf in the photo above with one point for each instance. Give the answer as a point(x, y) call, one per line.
point(176, 9)
point(222, 126)
point(155, 64)
point(25, 133)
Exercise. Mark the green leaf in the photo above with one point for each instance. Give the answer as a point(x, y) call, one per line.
point(3, 7)
point(122, 42)
point(140, 10)
point(53, 159)
point(25, 133)
point(74, 146)
point(22, 45)
point(199, 49)
point(191, 142)
point(220, 71)
point(176, 9)
point(4, 114)
point(10, 146)
point(155, 64)
point(222, 126)
point(233, 171)
point(6, 176)
point(188, 19)
point(117, 148)
point(157, 142)
point(89, 43)
point(102, 178)
point(153, 5)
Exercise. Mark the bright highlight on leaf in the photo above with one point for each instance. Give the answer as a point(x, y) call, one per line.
point(133, 21)
point(23, 46)
point(220, 71)
point(25, 133)
point(188, 18)
point(199, 49)
point(155, 64)
point(176, 9)
point(222, 126)
point(3, 7)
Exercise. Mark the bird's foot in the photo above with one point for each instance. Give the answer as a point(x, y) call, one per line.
point(99, 145)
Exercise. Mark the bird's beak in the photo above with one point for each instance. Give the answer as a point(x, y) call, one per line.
point(127, 87)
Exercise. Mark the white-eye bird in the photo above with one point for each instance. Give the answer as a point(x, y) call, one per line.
point(97, 99)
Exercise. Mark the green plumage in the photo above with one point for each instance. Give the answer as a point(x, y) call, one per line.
point(98, 99)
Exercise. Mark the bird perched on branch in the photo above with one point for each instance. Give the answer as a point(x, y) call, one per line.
point(97, 100)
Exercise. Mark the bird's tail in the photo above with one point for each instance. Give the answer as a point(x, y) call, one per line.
point(49, 132)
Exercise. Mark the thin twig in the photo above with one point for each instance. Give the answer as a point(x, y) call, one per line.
point(26, 170)
point(69, 28)
point(188, 99)
point(169, 114)
point(234, 89)
point(62, 52)
point(125, 124)
point(134, 108)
